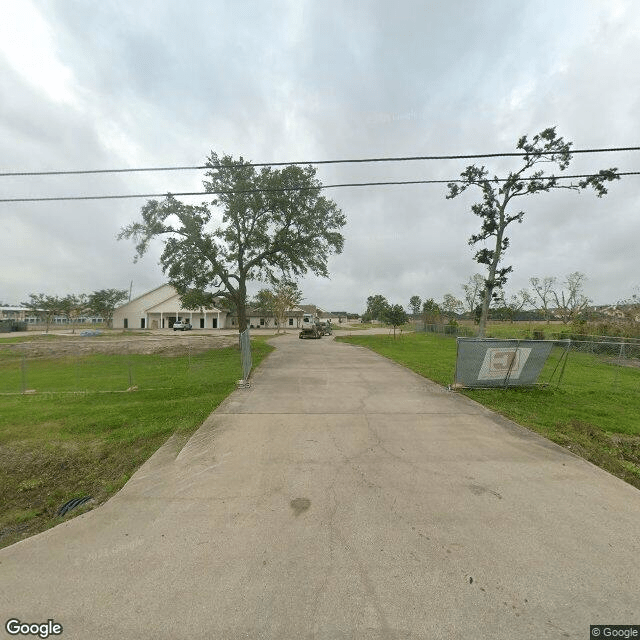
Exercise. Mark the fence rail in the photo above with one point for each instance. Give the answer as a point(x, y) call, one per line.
point(99, 365)
point(445, 330)
point(613, 363)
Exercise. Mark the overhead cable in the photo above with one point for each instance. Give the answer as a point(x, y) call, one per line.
point(285, 189)
point(306, 162)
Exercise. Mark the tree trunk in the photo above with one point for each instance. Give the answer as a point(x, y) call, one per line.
point(493, 267)
point(241, 304)
point(485, 309)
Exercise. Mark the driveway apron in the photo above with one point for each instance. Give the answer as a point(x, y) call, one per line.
point(341, 496)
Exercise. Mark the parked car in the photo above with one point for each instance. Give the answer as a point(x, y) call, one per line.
point(181, 325)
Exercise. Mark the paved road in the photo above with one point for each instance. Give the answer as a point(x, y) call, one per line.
point(342, 497)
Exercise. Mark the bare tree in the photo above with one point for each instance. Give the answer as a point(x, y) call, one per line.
point(451, 305)
point(494, 210)
point(630, 308)
point(473, 292)
point(516, 302)
point(544, 292)
point(571, 301)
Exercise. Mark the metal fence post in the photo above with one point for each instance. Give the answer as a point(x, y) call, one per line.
point(245, 354)
point(620, 357)
point(23, 372)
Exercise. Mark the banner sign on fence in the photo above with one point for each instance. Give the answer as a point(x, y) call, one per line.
point(483, 362)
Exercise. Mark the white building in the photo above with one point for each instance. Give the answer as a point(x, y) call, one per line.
point(160, 308)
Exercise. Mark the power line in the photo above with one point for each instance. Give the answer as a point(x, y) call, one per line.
point(284, 189)
point(306, 162)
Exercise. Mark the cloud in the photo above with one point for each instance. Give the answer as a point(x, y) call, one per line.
point(159, 83)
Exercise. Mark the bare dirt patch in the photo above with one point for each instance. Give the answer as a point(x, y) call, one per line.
point(169, 345)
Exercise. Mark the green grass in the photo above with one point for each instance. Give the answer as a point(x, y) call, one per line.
point(63, 445)
point(594, 412)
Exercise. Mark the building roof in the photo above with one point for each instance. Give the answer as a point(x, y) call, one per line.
point(310, 308)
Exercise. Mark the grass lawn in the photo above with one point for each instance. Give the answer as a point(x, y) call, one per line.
point(595, 412)
point(59, 446)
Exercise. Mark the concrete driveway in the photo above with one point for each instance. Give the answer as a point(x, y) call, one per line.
point(341, 496)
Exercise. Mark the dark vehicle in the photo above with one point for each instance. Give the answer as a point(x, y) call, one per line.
point(312, 331)
point(311, 327)
point(181, 325)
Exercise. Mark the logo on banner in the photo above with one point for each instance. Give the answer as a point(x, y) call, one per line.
point(500, 362)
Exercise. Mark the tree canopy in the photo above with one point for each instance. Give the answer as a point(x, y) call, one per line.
point(377, 306)
point(544, 148)
point(396, 316)
point(415, 303)
point(104, 302)
point(267, 225)
point(44, 306)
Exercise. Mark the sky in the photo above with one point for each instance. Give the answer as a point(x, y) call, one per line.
point(121, 84)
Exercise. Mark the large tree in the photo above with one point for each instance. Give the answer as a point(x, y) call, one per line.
point(431, 312)
point(104, 302)
point(44, 306)
point(415, 302)
point(377, 306)
point(396, 316)
point(544, 148)
point(263, 223)
point(74, 306)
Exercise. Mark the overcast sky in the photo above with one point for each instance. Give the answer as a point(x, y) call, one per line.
point(117, 84)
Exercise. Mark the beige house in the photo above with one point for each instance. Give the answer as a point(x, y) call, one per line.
point(161, 307)
point(262, 319)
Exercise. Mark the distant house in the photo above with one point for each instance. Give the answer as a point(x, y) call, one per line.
point(23, 314)
point(264, 319)
point(19, 314)
point(161, 307)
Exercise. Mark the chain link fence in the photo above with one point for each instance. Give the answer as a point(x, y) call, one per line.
point(486, 362)
point(611, 363)
point(76, 365)
point(605, 365)
point(444, 329)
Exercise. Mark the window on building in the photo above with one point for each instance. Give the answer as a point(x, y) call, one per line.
point(291, 322)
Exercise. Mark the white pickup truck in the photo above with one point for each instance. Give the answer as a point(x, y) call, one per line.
point(181, 325)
